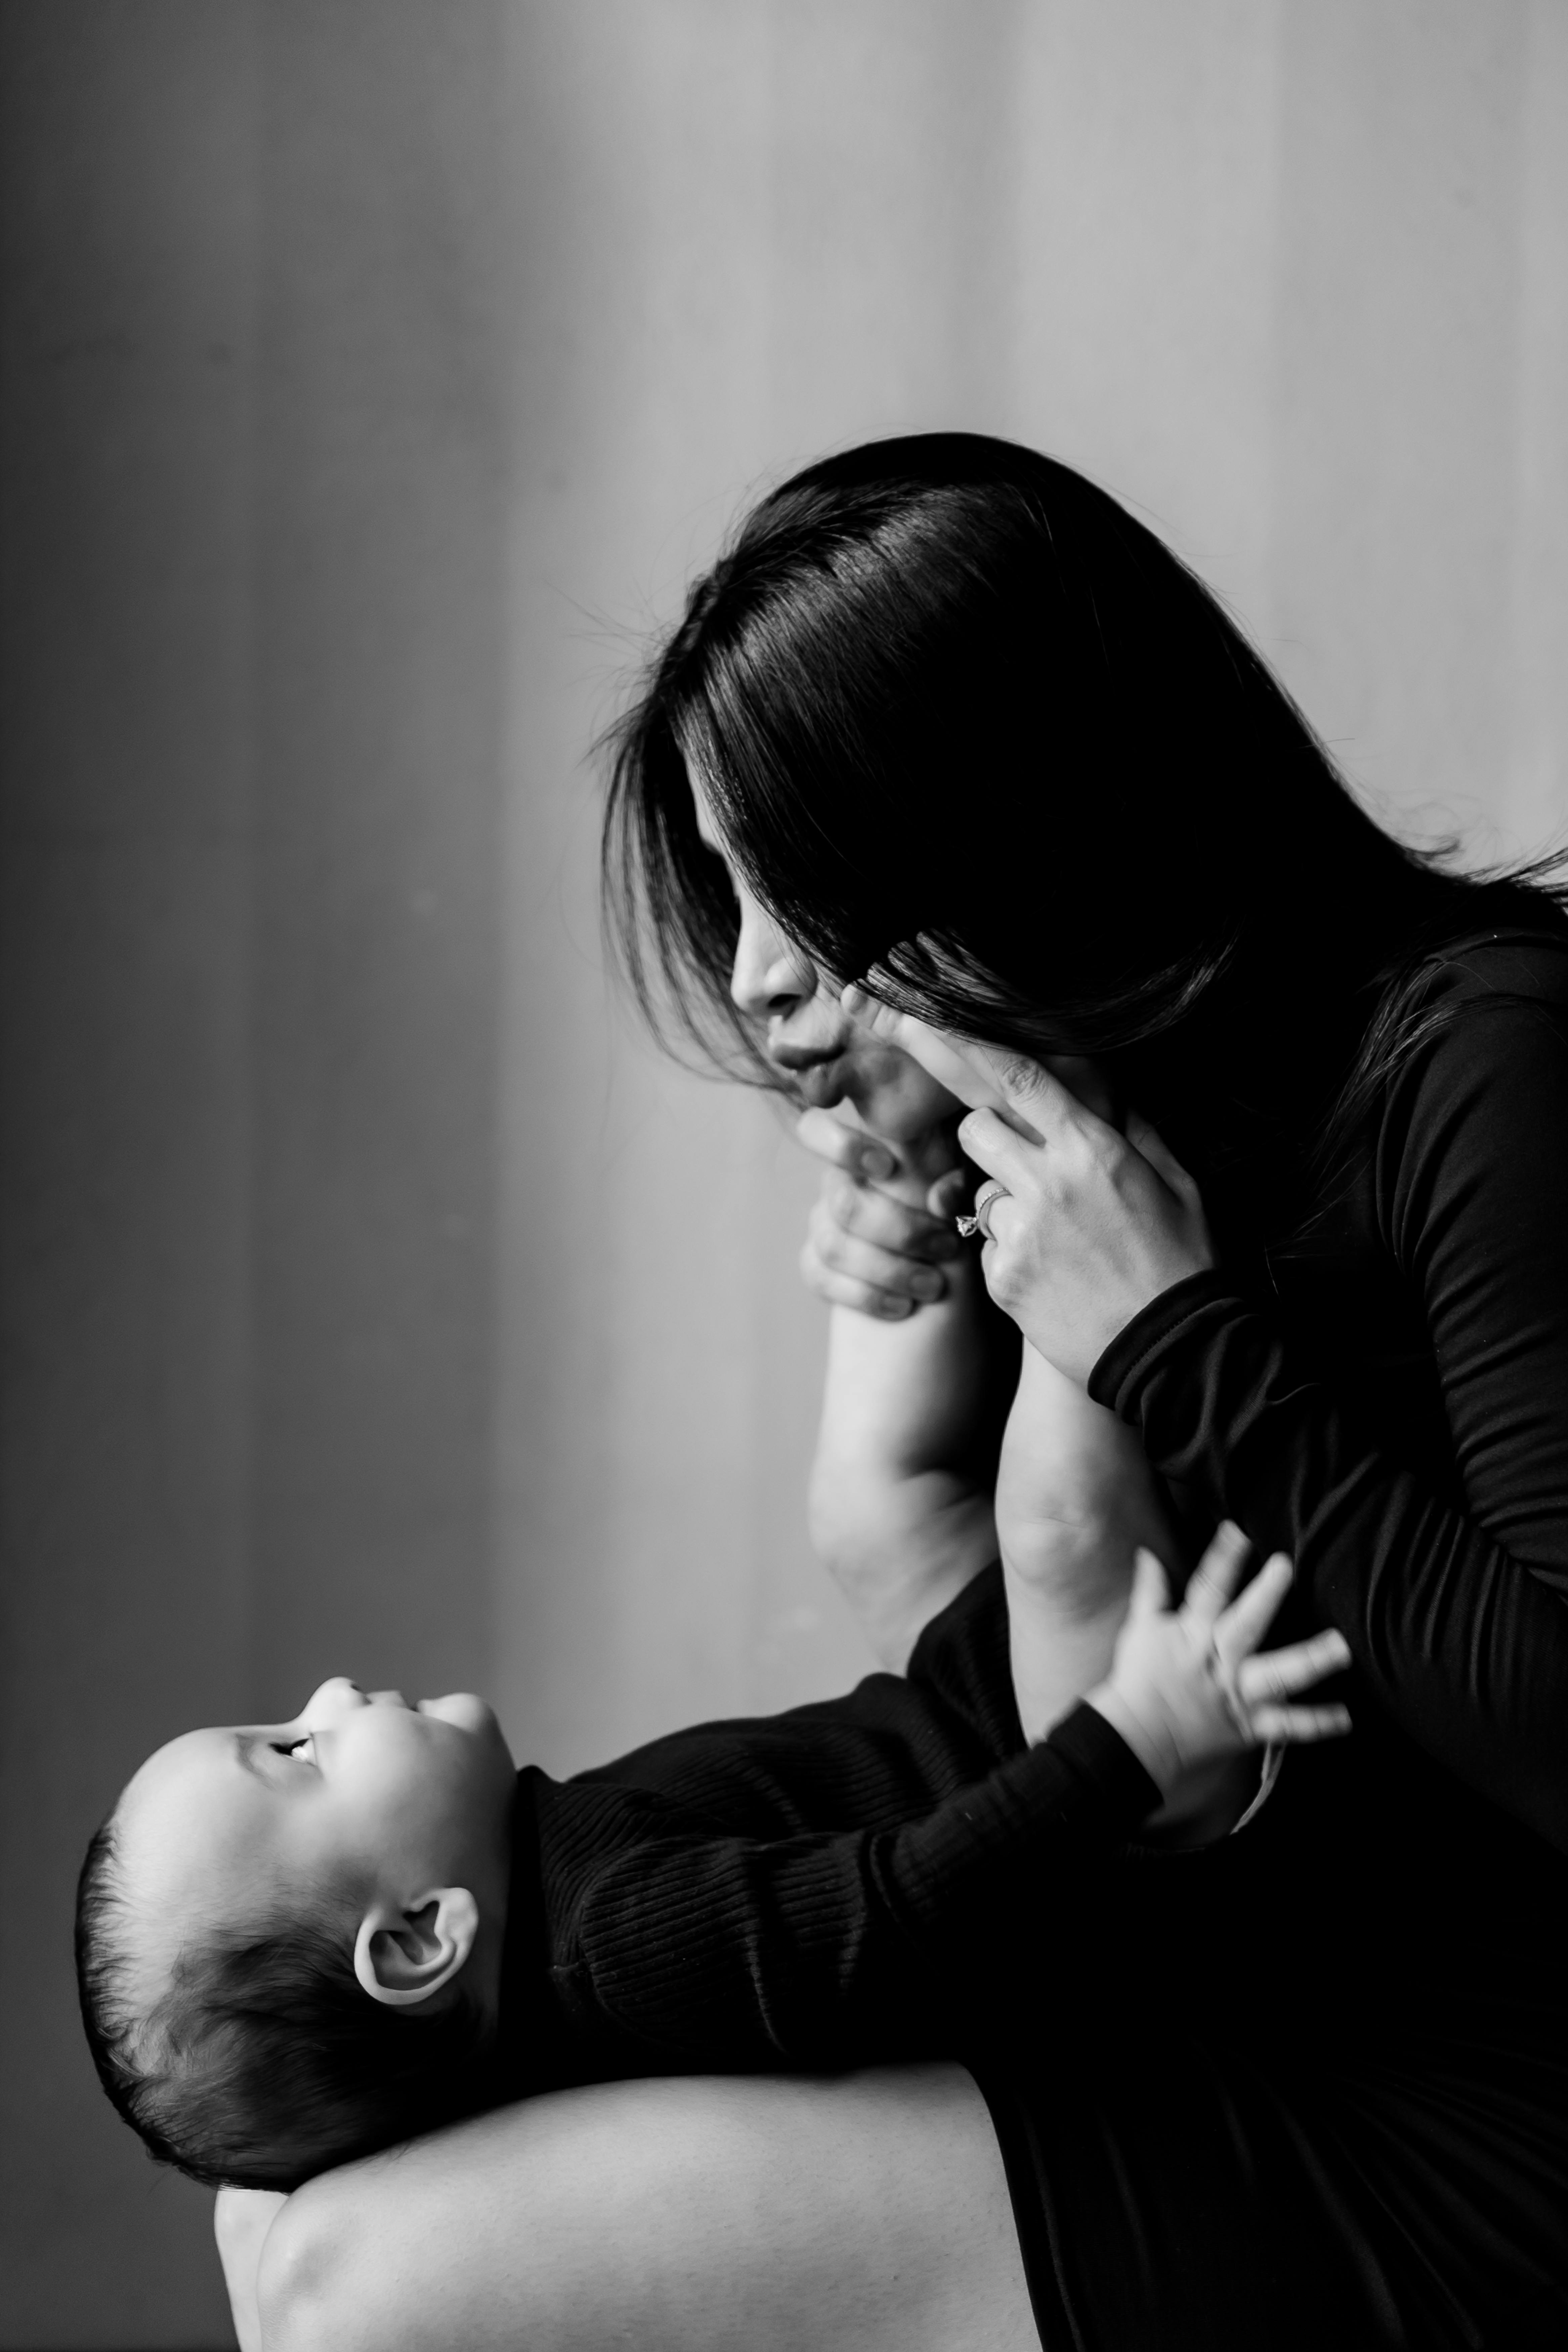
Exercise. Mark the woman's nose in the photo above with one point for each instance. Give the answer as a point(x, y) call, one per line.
point(770, 974)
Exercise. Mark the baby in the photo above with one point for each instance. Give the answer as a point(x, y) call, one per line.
point(301, 1942)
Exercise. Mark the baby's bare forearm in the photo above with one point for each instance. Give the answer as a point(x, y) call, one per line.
point(1075, 1500)
point(901, 1498)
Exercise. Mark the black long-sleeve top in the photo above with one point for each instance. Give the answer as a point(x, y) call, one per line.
point(1319, 2072)
point(1387, 1401)
point(812, 1889)
point(1392, 1407)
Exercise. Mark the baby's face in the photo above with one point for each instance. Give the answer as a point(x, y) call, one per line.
point(359, 1797)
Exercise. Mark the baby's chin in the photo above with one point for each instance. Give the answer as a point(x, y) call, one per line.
point(464, 1712)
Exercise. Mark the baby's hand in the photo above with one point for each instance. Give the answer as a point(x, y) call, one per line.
point(1186, 1690)
point(882, 1227)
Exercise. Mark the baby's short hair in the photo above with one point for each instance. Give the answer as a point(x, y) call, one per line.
point(264, 2062)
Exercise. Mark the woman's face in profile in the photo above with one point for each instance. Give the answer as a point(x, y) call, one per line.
point(828, 1057)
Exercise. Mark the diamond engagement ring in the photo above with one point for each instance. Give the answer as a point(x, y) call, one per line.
point(976, 1221)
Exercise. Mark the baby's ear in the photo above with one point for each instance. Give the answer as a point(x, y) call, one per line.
point(402, 1957)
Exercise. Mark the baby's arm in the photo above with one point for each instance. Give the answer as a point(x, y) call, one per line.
point(832, 1948)
point(1075, 1501)
point(901, 1507)
point(916, 1390)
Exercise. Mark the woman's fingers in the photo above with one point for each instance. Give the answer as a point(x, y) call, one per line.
point(955, 1063)
point(999, 1148)
point(1026, 1096)
point(990, 1077)
point(1033, 1100)
point(1212, 1583)
point(987, 1078)
point(1149, 1146)
point(985, 1200)
point(1024, 1092)
point(869, 1012)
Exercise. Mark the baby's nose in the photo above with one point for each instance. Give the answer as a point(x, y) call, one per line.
point(386, 1698)
point(337, 1696)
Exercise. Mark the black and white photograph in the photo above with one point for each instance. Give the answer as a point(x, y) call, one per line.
point(783, 1184)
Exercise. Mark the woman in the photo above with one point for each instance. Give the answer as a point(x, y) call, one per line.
point(965, 732)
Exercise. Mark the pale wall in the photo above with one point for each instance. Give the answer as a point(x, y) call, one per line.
point(375, 371)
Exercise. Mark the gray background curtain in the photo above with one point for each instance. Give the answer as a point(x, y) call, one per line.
point(375, 372)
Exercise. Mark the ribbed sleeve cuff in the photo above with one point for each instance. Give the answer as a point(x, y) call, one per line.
point(1081, 1791)
point(1105, 1765)
point(1185, 1315)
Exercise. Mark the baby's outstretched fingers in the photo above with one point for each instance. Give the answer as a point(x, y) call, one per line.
point(1277, 1674)
point(1280, 1726)
point(862, 1156)
point(1259, 1688)
point(1213, 1581)
point(1243, 1626)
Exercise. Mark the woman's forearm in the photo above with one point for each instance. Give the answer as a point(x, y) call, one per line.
point(1463, 1645)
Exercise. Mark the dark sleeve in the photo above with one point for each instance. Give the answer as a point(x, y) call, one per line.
point(886, 1753)
point(1454, 1604)
point(823, 1950)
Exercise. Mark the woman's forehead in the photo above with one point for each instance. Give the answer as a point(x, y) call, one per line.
point(707, 829)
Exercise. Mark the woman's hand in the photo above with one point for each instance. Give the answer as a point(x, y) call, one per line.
point(881, 1229)
point(1084, 1227)
point(1083, 1224)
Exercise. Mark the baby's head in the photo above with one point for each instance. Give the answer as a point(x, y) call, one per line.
point(288, 1935)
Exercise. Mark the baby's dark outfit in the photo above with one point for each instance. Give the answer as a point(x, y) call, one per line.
point(811, 1889)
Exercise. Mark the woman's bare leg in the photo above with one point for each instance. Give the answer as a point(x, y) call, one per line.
point(867, 2213)
point(241, 2220)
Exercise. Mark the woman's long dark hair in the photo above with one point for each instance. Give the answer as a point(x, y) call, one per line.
point(971, 729)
